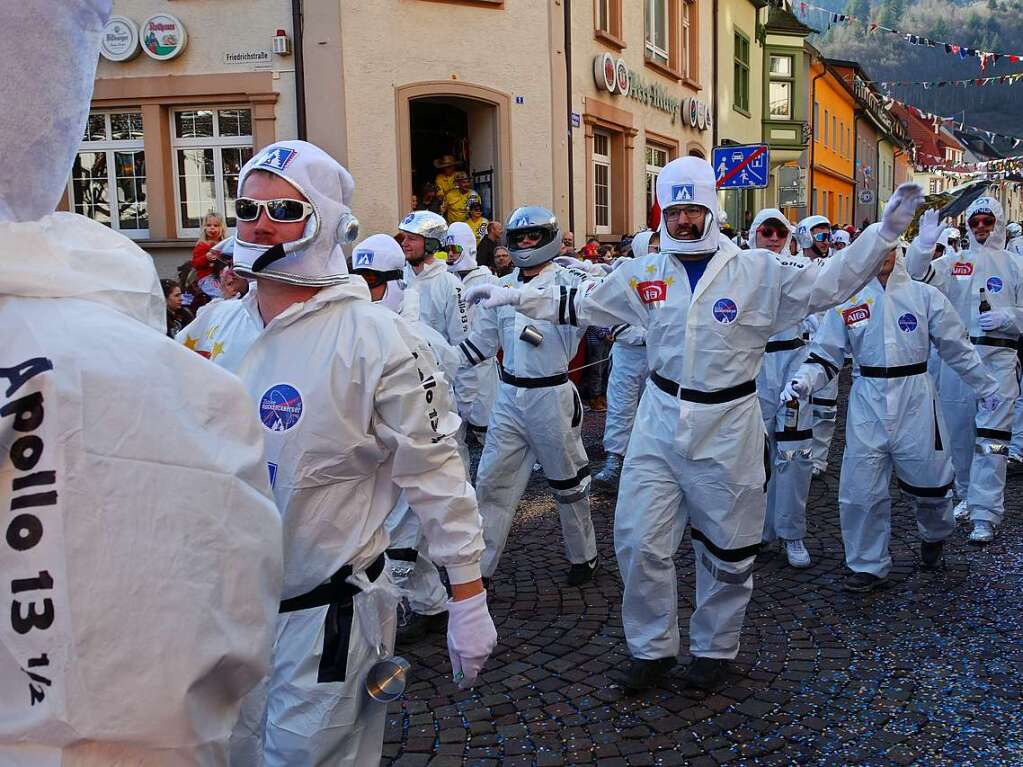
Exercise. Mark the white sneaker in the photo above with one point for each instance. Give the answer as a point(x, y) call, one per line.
point(983, 532)
point(961, 511)
point(1015, 456)
point(797, 554)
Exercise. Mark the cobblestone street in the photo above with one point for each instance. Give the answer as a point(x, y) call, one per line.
point(927, 671)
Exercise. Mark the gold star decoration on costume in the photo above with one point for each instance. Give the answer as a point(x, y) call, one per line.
point(669, 280)
point(217, 350)
point(191, 342)
point(212, 330)
point(633, 282)
point(651, 269)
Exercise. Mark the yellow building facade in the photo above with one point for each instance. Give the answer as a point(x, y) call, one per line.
point(832, 143)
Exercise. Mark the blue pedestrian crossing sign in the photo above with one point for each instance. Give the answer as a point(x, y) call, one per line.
point(741, 166)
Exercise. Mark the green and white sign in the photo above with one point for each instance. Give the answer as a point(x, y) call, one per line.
point(163, 36)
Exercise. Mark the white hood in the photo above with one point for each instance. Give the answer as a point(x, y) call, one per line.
point(995, 240)
point(56, 44)
point(689, 181)
point(382, 253)
point(641, 243)
point(65, 255)
point(460, 233)
point(317, 258)
point(765, 215)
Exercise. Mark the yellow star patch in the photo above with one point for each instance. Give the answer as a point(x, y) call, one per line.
point(212, 330)
point(191, 342)
point(633, 282)
point(651, 269)
point(669, 280)
point(217, 350)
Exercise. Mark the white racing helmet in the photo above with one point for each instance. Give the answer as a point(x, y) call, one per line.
point(380, 259)
point(428, 225)
point(996, 239)
point(1013, 230)
point(804, 238)
point(460, 233)
point(539, 221)
point(769, 214)
point(689, 181)
point(840, 235)
point(42, 127)
point(950, 238)
point(316, 258)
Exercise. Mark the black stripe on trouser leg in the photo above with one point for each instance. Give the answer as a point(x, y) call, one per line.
point(937, 430)
point(577, 409)
point(402, 555)
point(925, 492)
point(823, 401)
point(726, 555)
point(1004, 436)
point(568, 484)
point(337, 635)
point(767, 464)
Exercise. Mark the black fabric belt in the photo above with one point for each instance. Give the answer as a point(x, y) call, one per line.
point(823, 401)
point(793, 436)
point(703, 397)
point(335, 591)
point(533, 383)
point(988, 341)
point(999, 434)
point(784, 346)
point(899, 371)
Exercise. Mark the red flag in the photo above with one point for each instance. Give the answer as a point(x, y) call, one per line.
point(653, 220)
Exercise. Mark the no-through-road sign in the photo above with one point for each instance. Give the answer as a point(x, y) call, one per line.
point(741, 167)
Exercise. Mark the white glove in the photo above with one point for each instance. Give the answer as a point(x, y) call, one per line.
point(471, 638)
point(493, 295)
point(899, 212)
point(930, 230)
point(995, 319)
point(797, 388)
point(989, 404)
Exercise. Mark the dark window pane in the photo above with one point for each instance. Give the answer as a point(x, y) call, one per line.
point(193, 124)
point(195, 185)
point(126, 126)
point(95, 128)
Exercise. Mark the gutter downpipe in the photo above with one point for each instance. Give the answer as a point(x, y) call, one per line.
point(714, 94)
point(296, 31)
point(567, 7)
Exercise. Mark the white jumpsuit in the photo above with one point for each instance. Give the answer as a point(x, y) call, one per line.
point(537, 417)
point(629, 372)
point(476, 386)
point(824, 402)
point(979, 439)
point(141, 569)
point(349, 421)
point(698, 452)
point(894, 421)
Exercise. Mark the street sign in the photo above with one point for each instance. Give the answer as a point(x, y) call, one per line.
point(741, 167)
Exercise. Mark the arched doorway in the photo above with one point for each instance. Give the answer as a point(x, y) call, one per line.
point(469, 122)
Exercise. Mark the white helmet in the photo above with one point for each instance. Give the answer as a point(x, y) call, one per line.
point(316, 258)
point(1013, 230)
point(950, 238)
point(689, 181)
point(539, 222)
point(429, 226)
point(460, 233)
point(990, 205)
point(379, 259)
point(840, 235)
point(804, 238)
point(43, 130)
point(769, 214)
point(641, 242)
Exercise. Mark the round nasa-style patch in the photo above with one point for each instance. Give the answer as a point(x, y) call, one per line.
point(280, 407)
point(994, 284)
point(408, 218)
point(725, 311)
point(908, 322)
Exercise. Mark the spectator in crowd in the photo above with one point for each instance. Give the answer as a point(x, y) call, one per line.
point(567, 244)
point(485, 251)
point(231, 285)
point(594, 383)
point(445, 179)
point(430, 199)
point(177, 315)
point(625, 246)
point(502, 261)
point(219, 256)
point(213, 231)
point(456, 202)
point(476, 221)
point(589, 251)
point(606, 254)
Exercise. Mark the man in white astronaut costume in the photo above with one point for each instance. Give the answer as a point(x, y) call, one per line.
point(697, 452)
point(350, 421)
point(476, 386)
point(980, 439)
point(1014, 239)
point(141, 566)
point(894, 420)
point(629, 371)
point(538, 413)
point(813, 235)
point(440, 292)
point(789, 428)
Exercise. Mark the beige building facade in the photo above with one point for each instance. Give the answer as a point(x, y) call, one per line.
point(641, 74)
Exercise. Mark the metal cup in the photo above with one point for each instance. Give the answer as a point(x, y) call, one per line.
point(531, 335)
point(387, 678)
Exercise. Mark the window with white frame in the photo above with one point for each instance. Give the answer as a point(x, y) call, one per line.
point(601, 182)
point(656, 159)
point(687, 41)
point(108, 178)
point(209, 146)
point(657, 19)
point(779, 95)
point(603, 19)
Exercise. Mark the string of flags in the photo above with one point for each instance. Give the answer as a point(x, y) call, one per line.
point(964, 83)
point(992, 168)
point(938, 120)
point(986, 58)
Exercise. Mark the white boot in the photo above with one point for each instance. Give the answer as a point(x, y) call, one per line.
point(961, 511)
point(797, 554)
point(983, 532)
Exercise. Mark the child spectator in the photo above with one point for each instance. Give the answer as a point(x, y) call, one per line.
point(213, 231)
